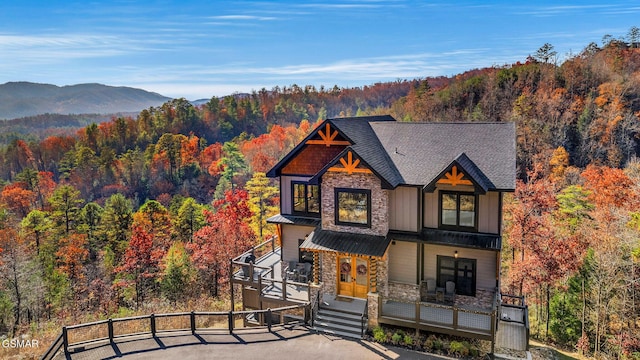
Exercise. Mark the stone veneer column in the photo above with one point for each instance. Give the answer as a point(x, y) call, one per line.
point(372, 310)
point(329, 272)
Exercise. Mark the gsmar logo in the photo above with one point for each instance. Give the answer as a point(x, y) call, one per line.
point(18, 343)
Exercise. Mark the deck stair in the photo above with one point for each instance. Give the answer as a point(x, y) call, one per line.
point(345, 320)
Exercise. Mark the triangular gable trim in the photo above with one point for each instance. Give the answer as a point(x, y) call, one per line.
point(349, 162)
point(327, 131)
point(461, 171)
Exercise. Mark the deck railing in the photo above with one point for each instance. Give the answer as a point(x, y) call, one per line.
point(514, 309)
point(442, 318)
point(110, 330)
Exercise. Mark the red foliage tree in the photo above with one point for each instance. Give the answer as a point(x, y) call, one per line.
point(226, 235)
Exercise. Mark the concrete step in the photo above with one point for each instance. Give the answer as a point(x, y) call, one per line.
point(339, 323)
point(340, 333)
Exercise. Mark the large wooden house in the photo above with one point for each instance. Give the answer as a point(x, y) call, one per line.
point(406, 216)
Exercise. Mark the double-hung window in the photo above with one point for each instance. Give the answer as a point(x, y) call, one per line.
point(458, 211)
point(306, 199)
point(353, 207)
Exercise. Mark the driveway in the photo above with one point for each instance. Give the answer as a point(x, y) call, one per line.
point(283, 343)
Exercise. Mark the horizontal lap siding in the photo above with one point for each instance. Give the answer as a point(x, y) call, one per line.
point(403, 262)
point(485, 263)
point(488, 211)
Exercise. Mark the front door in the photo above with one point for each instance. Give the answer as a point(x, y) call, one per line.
point(353, 276)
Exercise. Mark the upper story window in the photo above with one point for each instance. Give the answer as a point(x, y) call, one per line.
point(353, 207)
point(306, 199)
point(458, 211)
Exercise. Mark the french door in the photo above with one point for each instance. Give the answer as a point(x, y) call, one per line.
point(353, 276)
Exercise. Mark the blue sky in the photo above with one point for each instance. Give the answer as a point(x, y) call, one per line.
point(199, 49)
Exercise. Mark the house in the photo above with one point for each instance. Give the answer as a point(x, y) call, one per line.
point(405, 216)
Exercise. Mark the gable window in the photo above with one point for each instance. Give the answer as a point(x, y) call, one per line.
point(353, 207)
point(460, 271)
point(458, 210)
point(306, 199)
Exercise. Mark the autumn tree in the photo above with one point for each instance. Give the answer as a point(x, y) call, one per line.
point(188, 220)
point(261, 200)
point(226, 235)
point(139, 266)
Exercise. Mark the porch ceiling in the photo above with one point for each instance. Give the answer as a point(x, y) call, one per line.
point(357, 244)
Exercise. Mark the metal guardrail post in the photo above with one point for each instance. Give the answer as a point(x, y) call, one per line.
point(65, 340)
point(152, 318)
point(230, 322)
point(193, 322)
point(110, 330)
point(269, 319)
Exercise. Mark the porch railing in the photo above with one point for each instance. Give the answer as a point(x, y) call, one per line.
point(442, 318)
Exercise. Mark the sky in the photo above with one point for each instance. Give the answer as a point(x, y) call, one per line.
point(204, 48)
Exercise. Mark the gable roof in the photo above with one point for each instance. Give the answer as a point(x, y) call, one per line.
point(402, 153)
point(420, 151)
point(475, 175)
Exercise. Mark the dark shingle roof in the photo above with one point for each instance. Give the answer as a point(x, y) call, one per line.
point(417, 153)
point(420, 151)
point(325, 240)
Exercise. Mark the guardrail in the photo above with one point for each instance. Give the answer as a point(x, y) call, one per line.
point(77, 336)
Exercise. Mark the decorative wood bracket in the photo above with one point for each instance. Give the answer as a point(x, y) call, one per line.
point(328, 138)
point(350, 165)
point(454, 178)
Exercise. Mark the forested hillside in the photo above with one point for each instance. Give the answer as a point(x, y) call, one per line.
point(139, 213)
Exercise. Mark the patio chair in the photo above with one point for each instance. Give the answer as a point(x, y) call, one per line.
point(429, 290)
point(292, 271)
point(450, 291)
point(305, 273)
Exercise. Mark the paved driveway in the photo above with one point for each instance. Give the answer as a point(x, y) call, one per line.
point(292, 343)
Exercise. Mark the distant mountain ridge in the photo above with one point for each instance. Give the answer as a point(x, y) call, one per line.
point(20, 99)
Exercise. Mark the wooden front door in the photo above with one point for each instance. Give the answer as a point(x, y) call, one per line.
point(353, 276)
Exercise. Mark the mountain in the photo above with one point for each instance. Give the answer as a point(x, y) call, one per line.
point(20, 99)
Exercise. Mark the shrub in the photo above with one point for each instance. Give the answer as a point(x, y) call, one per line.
point(408, 340)
point(438, 345)
point(459, 348)
point(396, 338)
point(428, 344)
point(379, 335)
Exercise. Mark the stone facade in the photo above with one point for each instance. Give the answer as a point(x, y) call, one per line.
point(373, 308)
point(405, 292)
point(379, 202)
point(329, 272)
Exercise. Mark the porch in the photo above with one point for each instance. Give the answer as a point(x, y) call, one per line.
point(473, 317)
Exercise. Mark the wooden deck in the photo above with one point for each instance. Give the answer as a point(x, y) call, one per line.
point(263, 283)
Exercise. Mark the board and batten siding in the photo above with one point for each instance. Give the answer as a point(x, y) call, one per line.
point(489, 211)
point(485, 263)
point(403, 208)
point(403, 262)
point(290, 236)
point(285, 192)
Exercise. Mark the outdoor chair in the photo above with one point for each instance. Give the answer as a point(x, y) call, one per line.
point(429, 290)
point(304, 274)
point(292, 272)
point(450, 291)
